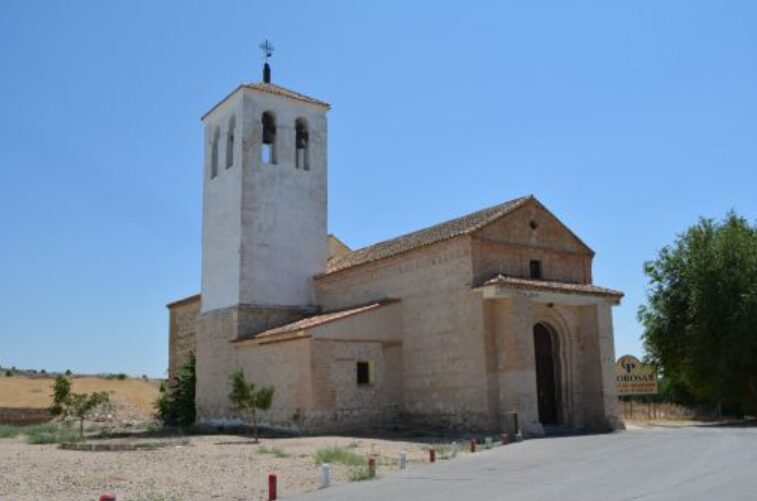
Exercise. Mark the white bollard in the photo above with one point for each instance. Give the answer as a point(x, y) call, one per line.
point(489, 442)
point(403, 460)
point(325, 481)
point(453, 446)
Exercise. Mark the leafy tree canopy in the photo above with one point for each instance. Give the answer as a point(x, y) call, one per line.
point(700, 319)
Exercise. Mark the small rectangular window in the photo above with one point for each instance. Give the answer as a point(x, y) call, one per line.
point(535, 269)
point(363, 373)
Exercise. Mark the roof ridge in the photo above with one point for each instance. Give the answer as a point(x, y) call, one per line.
point(444, 230)
point(272, 88)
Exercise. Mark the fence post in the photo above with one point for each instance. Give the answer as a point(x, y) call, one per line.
point(371, 467)
point(431, 456)
point(403, 460)
point(473, 445)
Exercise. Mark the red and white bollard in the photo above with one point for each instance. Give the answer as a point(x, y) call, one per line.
point(108, 497)
point(371, 468)
point(272, 487)
point(431, 456)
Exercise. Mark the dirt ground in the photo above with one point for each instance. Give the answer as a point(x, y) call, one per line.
point(224, 467)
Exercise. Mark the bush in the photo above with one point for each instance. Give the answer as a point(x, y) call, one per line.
point(358, 473)
point(175, 406)
point(334, 455)
point(50, 434)
point(273, 451)
point(8, 373)
point(7, 431)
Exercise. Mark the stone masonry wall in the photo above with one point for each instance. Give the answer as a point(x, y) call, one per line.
point(444, 372)
point(184, 317)
point(284, 365)
point(507, 246)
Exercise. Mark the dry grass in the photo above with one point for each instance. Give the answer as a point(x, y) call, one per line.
point(22, 391)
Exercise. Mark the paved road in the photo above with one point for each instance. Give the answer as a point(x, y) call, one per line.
point(658, 463)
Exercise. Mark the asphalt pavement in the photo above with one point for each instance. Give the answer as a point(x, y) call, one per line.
point(651, 463)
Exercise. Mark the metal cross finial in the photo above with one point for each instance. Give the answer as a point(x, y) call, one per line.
point(267, 49)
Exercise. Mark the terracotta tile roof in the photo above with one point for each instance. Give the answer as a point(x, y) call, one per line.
point(186, 300)
point(317, 320)
point(281, 91)
point(544, 285)
point(270, 89)
point(433, 234)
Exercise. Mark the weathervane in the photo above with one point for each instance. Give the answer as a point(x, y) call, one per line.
point(267, 49)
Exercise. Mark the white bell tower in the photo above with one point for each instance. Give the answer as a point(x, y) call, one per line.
point(264, 232)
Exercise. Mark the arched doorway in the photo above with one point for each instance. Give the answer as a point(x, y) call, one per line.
point(547, 375)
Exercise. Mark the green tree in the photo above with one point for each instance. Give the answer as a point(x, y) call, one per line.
point(245, 396)
point(700, 319)
point(77, 405)
point(175, 405)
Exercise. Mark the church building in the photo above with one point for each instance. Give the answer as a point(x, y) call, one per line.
point(449, 327)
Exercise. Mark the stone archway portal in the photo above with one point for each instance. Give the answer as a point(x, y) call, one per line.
point(545, 375)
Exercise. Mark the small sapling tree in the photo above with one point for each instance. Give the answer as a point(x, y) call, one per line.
point(77, 405)
point(245, 396)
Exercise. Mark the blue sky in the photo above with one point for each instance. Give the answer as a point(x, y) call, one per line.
point(629, 120)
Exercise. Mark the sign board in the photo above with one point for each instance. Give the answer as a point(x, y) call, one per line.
point(634, 377)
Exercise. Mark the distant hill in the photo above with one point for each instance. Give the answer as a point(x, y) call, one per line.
point(34, 391)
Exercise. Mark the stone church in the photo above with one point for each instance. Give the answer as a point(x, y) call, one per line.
point(449, 327)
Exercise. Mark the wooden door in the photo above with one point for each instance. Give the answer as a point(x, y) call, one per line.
point(545, 375)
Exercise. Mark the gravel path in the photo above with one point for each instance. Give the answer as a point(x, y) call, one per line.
point(223, 467)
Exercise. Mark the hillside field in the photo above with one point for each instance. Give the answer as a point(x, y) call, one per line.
point(35, 392)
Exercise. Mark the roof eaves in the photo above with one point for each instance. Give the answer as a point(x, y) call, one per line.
point(183, 301)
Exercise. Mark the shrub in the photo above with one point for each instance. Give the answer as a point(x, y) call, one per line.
point(175, 406)
point(334, 455)
point(7, 431)
point(50, 434)
point(8, 373)
point(358, 473)
point(273, 451)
